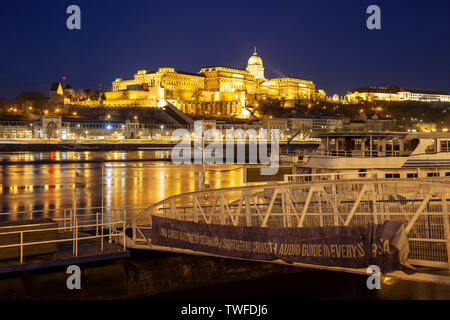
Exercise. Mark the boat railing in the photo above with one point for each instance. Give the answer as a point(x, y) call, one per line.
point(311, 177)
point(360, 153)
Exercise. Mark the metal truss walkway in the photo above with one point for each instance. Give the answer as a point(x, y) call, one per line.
point(421, 205)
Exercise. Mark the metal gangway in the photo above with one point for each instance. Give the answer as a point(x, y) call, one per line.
point(421, 205)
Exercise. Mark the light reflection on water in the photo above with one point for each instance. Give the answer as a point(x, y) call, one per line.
point(24, 156)
point(50, 186)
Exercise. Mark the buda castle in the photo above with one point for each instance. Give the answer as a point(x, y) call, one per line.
point(214, 91)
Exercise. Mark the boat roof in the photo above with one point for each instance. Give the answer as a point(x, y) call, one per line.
point(429, 135)
point(411, 135)
point(363, 134)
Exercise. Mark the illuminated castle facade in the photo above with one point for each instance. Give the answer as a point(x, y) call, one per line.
point(214, 91)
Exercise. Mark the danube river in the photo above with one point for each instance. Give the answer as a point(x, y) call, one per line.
point(51, 181)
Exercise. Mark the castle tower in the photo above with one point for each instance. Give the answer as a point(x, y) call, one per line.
point(68, 91)
point(255, 66)
point(56, 93)
point(56, 90)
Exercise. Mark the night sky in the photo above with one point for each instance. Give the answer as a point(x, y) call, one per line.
point(323, 41)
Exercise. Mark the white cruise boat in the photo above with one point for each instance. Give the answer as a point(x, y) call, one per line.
point(384, 154)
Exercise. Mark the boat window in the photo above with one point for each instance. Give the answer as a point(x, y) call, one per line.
point(447, 174)
point(374, 144)
point(433, 174)
point(411, 145)
point(388, 145)
point(431, 148)
point(392, 175)
point(445, 146)
point(412, 175)
point(340, 145)
point(356, 145)
point(393, 145)
point(396, 145)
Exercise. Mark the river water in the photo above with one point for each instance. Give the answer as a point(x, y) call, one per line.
point(136, 183)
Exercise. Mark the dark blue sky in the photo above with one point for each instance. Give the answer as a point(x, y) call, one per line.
point(324, 41)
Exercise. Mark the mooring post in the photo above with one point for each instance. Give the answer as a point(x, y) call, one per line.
point(21, 246)
point(124, 229)
point(194, 205)
point(109, 229)
point(75, 239)
point(96, 223)
point(319, 194)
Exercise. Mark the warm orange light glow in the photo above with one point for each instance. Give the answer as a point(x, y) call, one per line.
point(216, 85)
point(245, 113)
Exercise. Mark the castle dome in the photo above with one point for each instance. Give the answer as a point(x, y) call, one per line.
point(255, 60)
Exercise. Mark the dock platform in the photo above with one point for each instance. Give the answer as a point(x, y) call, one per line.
point(89, 250)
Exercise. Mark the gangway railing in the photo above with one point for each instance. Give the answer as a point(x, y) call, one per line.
point(72, 226)
point(74, 236)
point(422, 206)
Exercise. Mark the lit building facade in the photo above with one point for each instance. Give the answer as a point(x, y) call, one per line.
point(356, 97)
point(424, 96)
point(394, 93)
point(214, 91)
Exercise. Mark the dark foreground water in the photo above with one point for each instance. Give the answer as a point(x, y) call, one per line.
point(311, 284)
